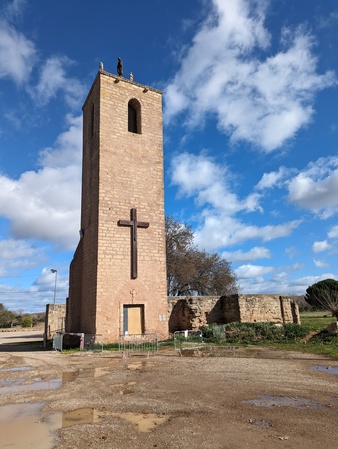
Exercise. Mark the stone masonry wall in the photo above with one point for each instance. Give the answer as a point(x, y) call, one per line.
point(194, 312)
point(55, 320)
point(121, 170)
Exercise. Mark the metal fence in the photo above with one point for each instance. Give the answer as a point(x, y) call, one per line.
point(188, 340)
point(85, 342)
point(93, 342)
point(138, 343)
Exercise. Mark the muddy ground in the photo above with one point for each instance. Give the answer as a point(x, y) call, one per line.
point(256, 398)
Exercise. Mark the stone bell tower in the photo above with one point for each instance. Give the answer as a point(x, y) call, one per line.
point(118, 273)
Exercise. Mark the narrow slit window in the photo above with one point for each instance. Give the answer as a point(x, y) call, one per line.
point(92, 121)
point(134, 117)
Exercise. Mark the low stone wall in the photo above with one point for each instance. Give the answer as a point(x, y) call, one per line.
point(55, 320)
point(195, 311)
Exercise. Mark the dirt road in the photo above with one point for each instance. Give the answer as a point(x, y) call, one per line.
point(16, 340)
point(236, 399)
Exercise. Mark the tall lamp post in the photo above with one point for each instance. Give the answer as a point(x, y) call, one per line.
point(56, 276)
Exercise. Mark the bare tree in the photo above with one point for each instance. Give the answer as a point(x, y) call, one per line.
point(194, 272)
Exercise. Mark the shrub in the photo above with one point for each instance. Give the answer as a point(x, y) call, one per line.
point(294, 331)
point(26, 321)
point(252, 332)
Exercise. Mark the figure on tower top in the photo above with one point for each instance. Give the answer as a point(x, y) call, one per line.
point(119, 67)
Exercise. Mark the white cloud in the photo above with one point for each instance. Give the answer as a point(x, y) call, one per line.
point(306, 281)
point(291, 251)
point(333, 233)
point(54, 80)
point(272, 179)
point(18, 254)
point(280, 283)
point(209, 184)
point(219, 231)
point(316, 188)
point(252, 271)
point(258, 252)
point(201, 177)
point(320, 263)
point(263, 101)
point(14, 8)
point(17, 54)
point(45, 204)
point(318, 247)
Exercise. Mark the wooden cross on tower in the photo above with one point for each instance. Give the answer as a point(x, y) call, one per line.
point(134, 224)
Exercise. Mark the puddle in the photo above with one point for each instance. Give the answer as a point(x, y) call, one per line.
point(190, 353)
point(261, 423)
point(326, 369)
point(11, 382)
point(20, 368)
point(335, 399)
point(280, 401)
point(143, 422)
point(21, 427)
point(71, 376)
point(18, 386)
point(80, 416)
point(135, 366)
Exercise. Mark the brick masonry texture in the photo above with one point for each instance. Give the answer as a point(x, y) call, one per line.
point(121, 170)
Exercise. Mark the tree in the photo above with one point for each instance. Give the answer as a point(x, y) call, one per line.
point(6, 316)
point(324, 294)
point(194, 272)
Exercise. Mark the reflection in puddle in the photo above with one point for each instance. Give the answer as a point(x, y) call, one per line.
point(20, 368)
point(11, 382)
point(79, 416)
point(20, 427)
point(17, 387)
point(335, 399)
point(280, 401)
point(327, 369)
point(144, 423)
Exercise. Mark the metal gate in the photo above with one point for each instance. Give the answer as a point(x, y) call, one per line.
point(188, 340)
point(138, 343)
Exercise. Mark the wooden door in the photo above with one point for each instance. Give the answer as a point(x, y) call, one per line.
point(133, 319)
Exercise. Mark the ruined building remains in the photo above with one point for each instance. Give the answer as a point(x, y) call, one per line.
point(192, 312)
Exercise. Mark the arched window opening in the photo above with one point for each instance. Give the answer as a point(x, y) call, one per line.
point(134, 117)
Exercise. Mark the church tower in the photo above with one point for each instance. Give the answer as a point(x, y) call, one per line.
point(118, 273)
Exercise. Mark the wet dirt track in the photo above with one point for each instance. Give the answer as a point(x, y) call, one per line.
point(246, 398)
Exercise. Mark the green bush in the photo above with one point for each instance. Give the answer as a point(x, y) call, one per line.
point(294, 331)
point(26, 321)
point(214, 333)
point(252, 332)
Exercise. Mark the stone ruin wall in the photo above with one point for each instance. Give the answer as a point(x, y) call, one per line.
point(54, 321)
point(196, 311)
point(192, 312)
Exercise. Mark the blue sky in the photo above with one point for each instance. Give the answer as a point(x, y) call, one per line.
point(250, 131)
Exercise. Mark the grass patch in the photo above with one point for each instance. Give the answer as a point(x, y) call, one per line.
point(285, 337)
point(316, 321)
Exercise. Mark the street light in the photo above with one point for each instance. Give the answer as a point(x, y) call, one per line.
point(56, 276)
